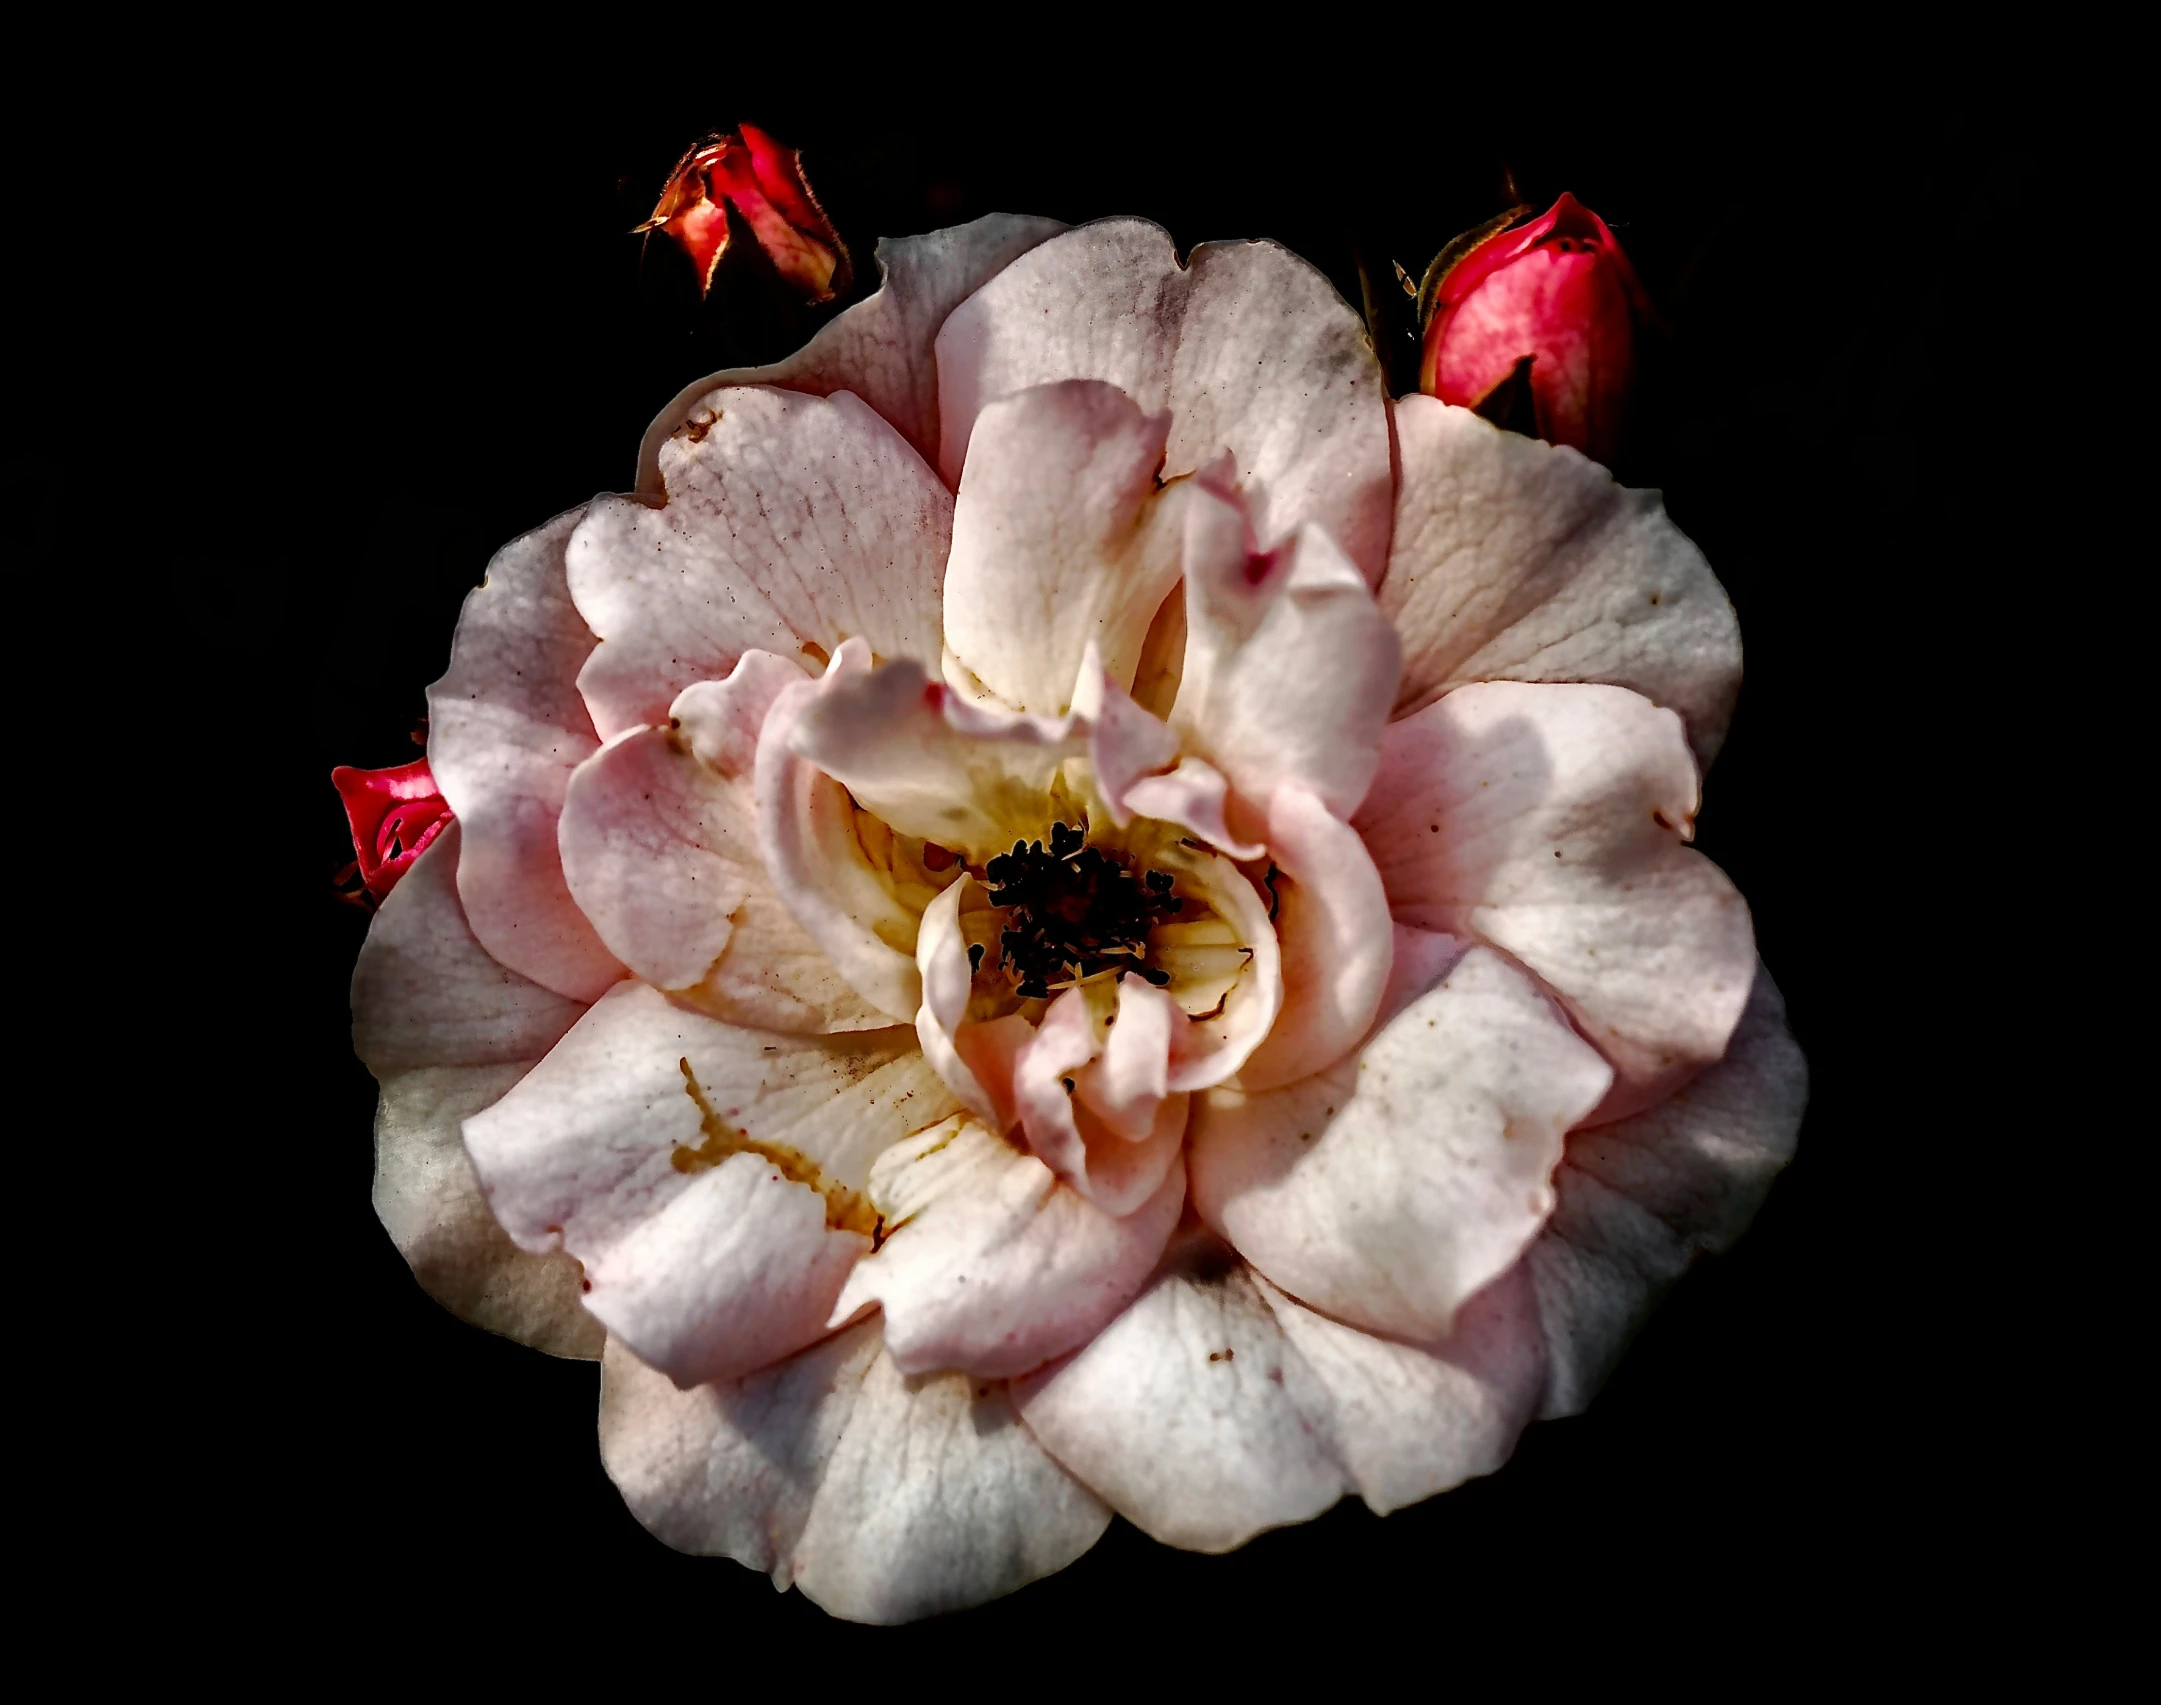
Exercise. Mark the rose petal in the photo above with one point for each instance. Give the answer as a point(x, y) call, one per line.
point(426, 993)
point(1410, 1420)
point(791, 524)
point(1207, 1051)
point(1551, 821)
point(1062, 539)
point(929, 763)
point(446, 1031)
point(1516, 561)
point(709, 1177)
point(1249, 348)
point(1190, 1415)
point(729, 1469)
point(812, 855)
point(1290, 666)
point(937, 1498)
point(881, 348)
point(1112, 1137)
point(1196, 796)
point(1390, 1188)
point(1337, 943)
point(997, 1266)
point(1642, 1199)
point(506, 727)
point(661, 852)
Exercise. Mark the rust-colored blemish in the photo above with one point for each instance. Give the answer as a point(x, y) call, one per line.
point(844, 1209)
point(816, 652)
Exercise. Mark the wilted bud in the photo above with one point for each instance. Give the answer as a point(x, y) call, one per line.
point(763, 181)
point(1533, 326)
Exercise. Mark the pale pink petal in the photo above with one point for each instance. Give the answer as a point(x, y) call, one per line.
point(882, 347)
point(1129, 1080)
point(1208, 1050)
point(1642, 1199)
point(661, 852)
point(506, 726)
point(1196, 796)
point(710, 1178)
point(723, 719)
point(1337, 942)
point(1109, 1138)
point(1410, 1420)
point(729, 1469)
point(1552, 821)
point(1290, 667)
point(791, 524)
point(1249, 348)
point(1062, 540)
point(1391, 1187)
point(941, 958)
point(937, 1498)
point(447, 1031)
point(1190, 1415)
point(1421, 959)
point(996, 1266)
point(426, 993)
point(916, 754)
point(808, 844)
point(1517, 561)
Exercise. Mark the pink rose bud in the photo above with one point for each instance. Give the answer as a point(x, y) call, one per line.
point(1546, 309)
point(763, 181)
point(394, 814)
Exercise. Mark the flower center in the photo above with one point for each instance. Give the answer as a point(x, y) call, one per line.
point(1074, 911)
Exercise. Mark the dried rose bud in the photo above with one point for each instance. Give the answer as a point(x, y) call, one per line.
point(394, 814)
point(1533, 326)
point(763, 181)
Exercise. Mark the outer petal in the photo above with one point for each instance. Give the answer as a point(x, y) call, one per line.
point(505, 729)
point(708, 1177)
point(1388, 1190)
point(1290, 666)
point(446, 1031)
point(1190, 1414)
point(928, 762)
point(935, 1499)
point(1249, 348)
point(661, 850)
point(881, 349)
point(1642, 1199)
point(808, 842)
point(997, 1266)
point(1410, 1420)
point(1551, 821)
point(1062, 539)
point(1516, 561)
point(729, 1469)
point(1337, 942)
point(791, 524)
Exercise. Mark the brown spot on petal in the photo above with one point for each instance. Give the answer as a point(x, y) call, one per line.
point(844, 1209)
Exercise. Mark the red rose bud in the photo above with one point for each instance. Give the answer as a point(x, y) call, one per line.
point(1546, 309)
point(763, 181)
point(394, 814)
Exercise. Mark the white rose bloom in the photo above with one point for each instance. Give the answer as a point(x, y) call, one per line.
point(1072, 912)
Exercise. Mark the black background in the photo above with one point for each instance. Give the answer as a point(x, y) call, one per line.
point(412, 324)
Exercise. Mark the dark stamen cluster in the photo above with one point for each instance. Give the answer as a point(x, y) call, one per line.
point(1074, 911)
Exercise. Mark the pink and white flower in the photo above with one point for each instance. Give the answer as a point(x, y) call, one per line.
point(1070, 911)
